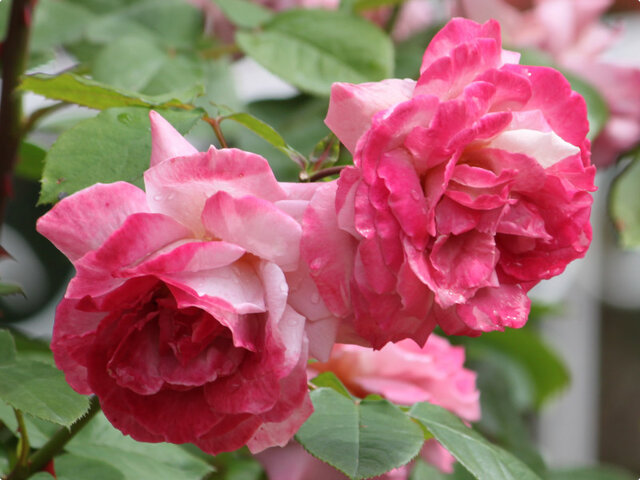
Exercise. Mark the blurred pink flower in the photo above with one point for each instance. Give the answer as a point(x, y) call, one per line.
point(572, 33)
point(403, 373)
point(469, 187)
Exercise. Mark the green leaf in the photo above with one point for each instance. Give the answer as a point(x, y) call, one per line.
point(41, 476)
point(69, 466)
point(311, 49)
point(545, 368)
point(329, 380)
point(361, 5)
point(423, 471)
point(84, 91)
point(40, 390)
point(624, 204)
point(591, 473)
point(267, 133)
point(114, 145)
point(362, 440)
point(31, 161)
point(7, 348)
point(129, 62)
point(481, 458)
point(597, 108)
point(98, 440)
point(243, 13)
point(39, 431)
point(58, 22)
point(409, 52)
point(174, 23)
point(10, 289)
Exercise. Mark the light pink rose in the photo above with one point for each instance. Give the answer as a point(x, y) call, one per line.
point(572, 33)
point(469, 187)
point(186, 316)
point(404, 373)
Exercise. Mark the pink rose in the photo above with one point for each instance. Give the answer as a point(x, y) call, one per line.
point(469, 187)
point(572, 33)
point(403, 373)
point(180, 317)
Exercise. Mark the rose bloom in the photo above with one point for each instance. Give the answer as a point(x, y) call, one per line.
point(403, 373)
point(469, 187)
point(572, 33)
point(180, 316)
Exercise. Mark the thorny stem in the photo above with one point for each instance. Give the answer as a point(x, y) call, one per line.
point(15, 50)
point(215, 124)
point(327, 172)
point(56, 443)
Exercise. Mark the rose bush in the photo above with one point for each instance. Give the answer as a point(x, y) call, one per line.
point(180, 316)
point(403, 373)
point(469, 187)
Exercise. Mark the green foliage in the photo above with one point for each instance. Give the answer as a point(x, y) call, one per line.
point(267, 133)
point(37, 388)
point(360, 439)
point(57, 22)
point(68, 467)
point(311, 49)
point(31, 161)
point(624, 204)
point(243, 13)
point(329, 380)
point(84, 91)
point(483, 459)
point(101, 442)
point(541, 366)
point(8, 288)
point(114, 145)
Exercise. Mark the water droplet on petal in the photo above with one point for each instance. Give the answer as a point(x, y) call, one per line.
point(415, 195)
point(315, 298)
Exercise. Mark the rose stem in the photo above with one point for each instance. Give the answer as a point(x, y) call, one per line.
point(15, 51)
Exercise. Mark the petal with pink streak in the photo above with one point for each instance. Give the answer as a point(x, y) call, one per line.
point(141, 234)
point(180, 187)
point(255, 225)
point(351, 106)
point(192, 256)
point(82, 222)
point(166, 141)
